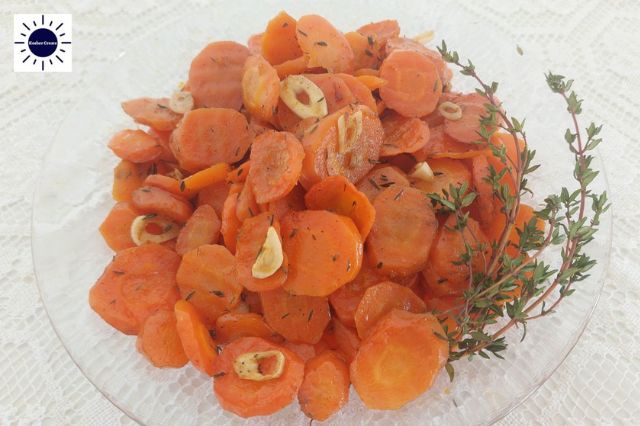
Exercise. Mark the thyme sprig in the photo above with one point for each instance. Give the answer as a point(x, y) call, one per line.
point(515, 285)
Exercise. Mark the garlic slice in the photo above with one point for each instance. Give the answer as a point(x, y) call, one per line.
point(424, 37)
point(181, 102)
point(270, 257)
point(422, 171)
point(247, 365)
point(450, 111)
point(293, 85)
point(139, 234)
point(349, 130)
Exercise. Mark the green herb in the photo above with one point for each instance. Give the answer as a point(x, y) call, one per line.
point(368, 52)
point(161, 106)
point(310, 315)
point(182, 186)
point(519, 50)
point(293, 233)
point(398, 195)
point(302, 33)
point(373, 183)
point(284, 315)
point(149, 216)
point(321, 43)
point(217, 293)
point(118, 272)
point(379, 265)
point(370, 40)
point(222, 373)
point(190, 295)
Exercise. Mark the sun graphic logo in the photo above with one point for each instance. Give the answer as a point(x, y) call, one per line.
point(42, 43)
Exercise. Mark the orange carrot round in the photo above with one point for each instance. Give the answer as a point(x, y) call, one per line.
point(203, 227)
point(116, 227)
point(279, 42)
point(380, 178)
point(154, 113)
point(159, 342)
point(127, 177)
point(135, 146)
point(403, 134)
point(233, 326)
point(325, 388)
point(196, 341)
point(323, 45)
point(260, 87)
point(149, 200)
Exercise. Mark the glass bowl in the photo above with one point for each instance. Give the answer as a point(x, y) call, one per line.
point(73, 196)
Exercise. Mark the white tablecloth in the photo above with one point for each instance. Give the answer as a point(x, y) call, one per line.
point(596, 42)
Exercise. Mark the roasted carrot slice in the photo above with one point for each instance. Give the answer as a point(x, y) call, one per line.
point(328, 154)
point(335, 89)
point(251, 238)
point(325, 388)
point(402, 134)
point(127, 177)
point(207, 136)
point(441, 145)
point(360, 91)
point(346, 339)
point(380, 178)
point(323, 45)
point(233, 326)
point(392, 246)
point(324, 251)
point(401, 43)
point(260, 87)
point(135, 146)
point(364, 50)
point(399, 360)
point(215, 76)
point(276, 162)
point(279, 42)
point(149, 199)
point(380, 299)
point(197, 343)
point(116, 227)
point(230, 222)
point(346, 299)
point(164, 182)
point(249, 398)
point(444, 274)
point(159, 342)
point(150, 112)
point(207, 279)
point(447, 172)
point(466, 128)
point(214, 195)
point(336, 194)
point(247, 205)
point(413, 85)
point(301, 319)
point(294, 200)
point(138, 282)
point(203, 227)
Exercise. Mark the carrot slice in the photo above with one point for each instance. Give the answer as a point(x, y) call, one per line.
point(336, 194)
point(251, 237)
point(402, 134)
point(441, 145)
point(366, 71)
point(323, 156)
point(260, 87)
point(360, 91)
point(364, 50)
point(215, 76)
point(325, 388)
point(335, 89)
point(247, 205)
point(207, 136)
point(150, 112)
point(505, 140)
point(392, 246)
point(207, 279)
point(292, 66)
point(197, 343)
point(233, 326)
point(401, 43)
point(116, 227)
point(379, 178)
point(249, 398)
point(127, 177)
point(380, 32)
point(135, 146)
point(163, 137)
point(467, 127)
point(484, 203)
point(159, 342)
point(214, 195)
point(323, 45)
point(304, 350)
point(445, 308)
point(371, 82)
point(230, 222)
point(525, 215)
point(203, 227)
point(149, 199)
point(240, 174)
point(254, 44)
point(447, 172)
point(380, 299)
point(324, 251)
point(279, 42)
point(276, 162)
point(294, 200)
point(444, 275)
point(301, 319)
point(191, 185)
point(413, 85)
point(399, 360)
point(346, 339)
point(163, 182)
point(138, 282)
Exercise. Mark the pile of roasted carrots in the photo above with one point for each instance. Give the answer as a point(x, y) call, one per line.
point(272, 226)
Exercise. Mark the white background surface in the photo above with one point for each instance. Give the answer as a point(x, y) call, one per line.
point(595, 42)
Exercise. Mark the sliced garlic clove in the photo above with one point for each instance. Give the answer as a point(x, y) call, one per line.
point(140, 235)
point(450, 111)
point(292, 86)
point(349, 130)
point(424, 37)
point(247, 365)
point(181, 102)
point(270, 257)
point(422, 171)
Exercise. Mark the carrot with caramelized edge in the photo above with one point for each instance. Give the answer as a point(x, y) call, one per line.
point(336, 194)
point(301, 319)
point(399, 360)
point(203, 227)
point(242, 388)
point(197, 343)
point(159, 342)
point(325, 388)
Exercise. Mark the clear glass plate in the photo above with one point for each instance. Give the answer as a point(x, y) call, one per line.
point(73, 196)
